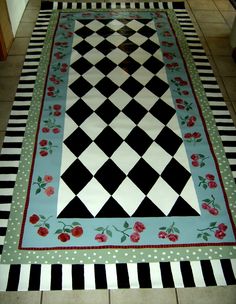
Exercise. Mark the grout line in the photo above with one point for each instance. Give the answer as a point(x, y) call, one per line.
point(176, 296)
point(41, 298)
point(109, 296)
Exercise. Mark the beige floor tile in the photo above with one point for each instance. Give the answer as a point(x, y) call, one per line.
point(12, 66)
point(8, 87)
point(224, 5)
point(225, 65)
point(25, 29)
point(202, 4)
point(2, 135)
point(19, 46)
point(229, 17)
point(208, 16)
point(5, 109)
point(141, 296)
point(230, 86)
point(30, 15)
point(209, 295)
point(215, 29)
point(30, 297)
point(33, 4)
point(81, 297)
point(232, 110)
point(222, 87)
point(219, 46)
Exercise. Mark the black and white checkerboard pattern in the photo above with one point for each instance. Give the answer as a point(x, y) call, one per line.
point(144, 275)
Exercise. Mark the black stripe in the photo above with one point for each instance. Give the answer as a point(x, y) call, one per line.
point(7, 184)
point(187, 274)
point(34, 279)
point(13, 278)
point(100, 276)
point(15, 133)
point(59, 5)
point(77, 277)
point(228, 132)
point(228, 143)
point(20, 108)
point(56, 277)
point(208, 273)
point(167, 278)
point(5, 199)
point(3, 231)
point(9, 157)
point(230, 155)
point(1, 249)
point(122, 276)
point(89, 5)
point(144, 275)
point(228, 271)
point(4, 214)
point(12, 145)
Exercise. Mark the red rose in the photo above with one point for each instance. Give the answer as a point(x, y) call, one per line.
point(48, 178)
point(56, 107)
point(173, 237)
point(135, 237)
point(43, 143)
point(100, 237)
point(162, 235)
point(196, 135)
point(63, 237)
point(50, 94)
point(56, 130)
point(52, 78)
point(63, 70)
point(64, 65)
point(187, 135)
point(190, 123)
point(34, 219)
point(49, 191)
point(180, 107)
point(195, 163)
point(185, 93)
point(43, 153)
point(45, 130)
point(214, 211)
point(77, 231)
point(179, 100)
point(50, 89)
point(206, 206)
point(139, 227)
point(57, 113)
point(178, 79)
point(212, 184)
point(194, 156)
point(210, 177)
point(219, 234)
point(222, 227)
point(183, 83)
point(42, 231)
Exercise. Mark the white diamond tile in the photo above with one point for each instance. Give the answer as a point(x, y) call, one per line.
point(135, 25)
point(120, 98)
point(138, 38)
point(146, 98)
point(118, 76)
point(116, 39)
point(94, 99)
point(94, 56)
point(93, 76)
point(68, 156)
point(78, 25)
point(95, 25)
point(140, 55)
point(182, 158)
point(71, 98)
point(65, 195)
point(74, 55)
point(117, 56)
point(115, 25)
point(190, 196)
point(173, 124)
point(151, 24)
point(93, 126)
point(122, 125)
point(151, 125)
point(69, 126)
point(94, 39)
point(142, 75)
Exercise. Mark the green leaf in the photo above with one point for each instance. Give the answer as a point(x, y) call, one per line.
point(201, 155)
point(199, 140)
point(204, 186)
point(67, 230)
point(168, 230)
point(58, 231)
point(162, 228)
point(42, 217)
point(199, 235)
point(205, 238)
point(109, 233)
point(126, 224)
point(43, 185)
point(213, 224)
point(75, 224)
point(38, 191)
point(207, 200)
point(176, 230)
point(206, 234)
point(99, 229)
point(123, 239)
point(47, 225)
point(202, 179)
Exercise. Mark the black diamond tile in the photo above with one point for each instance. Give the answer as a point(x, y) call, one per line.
point(150, 47)
point(124, 21)
point(143, 175)
point(129, 65)
point(110, 176)
point(144, 21)
point(85, 21)
point(81, 66)
point(79, 112)
point(78, 141)
point(131, 86)
point(105, 66)
point(175, 175)
point(106, 87)
point(84, 32)
point(80, 87)
point(157, 86)
point(128, 46)
point(107, 111)
point(182, 208)
point(83, 47)
point(108, 141)
point(134, 111)
point(105, 47)
point(105, 31)
point(112, 209)
point(169, 141)
point(76, 176)
point(138, 140)
point(162, 111)
point(153, 65)
point(148, 209)
point(126, 31)
point(75, 209)
point(146, 31)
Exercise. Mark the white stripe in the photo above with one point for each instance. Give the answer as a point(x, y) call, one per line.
point(2, 238)
point(66, 277)
point(89, 278)
point(151, 4)
point(210, 78)
point(31, 77)
point(4, 270)
point(132, 4)
point(24, 277)
point(104, 5)
point(6, 164)
point(230, 149)
point(111, 276)
point(6, 191)
point(218, 272)
point(19, 112)
point(228, 137)
point(45, 277)
point(226, 128)
point(177, 275)
point(94, 5)
point(220, 112)
point(5, 207)
point(224, 120)
point(155, 274)
point(197, 274)
point(84, 5)
point(122, 5)
point(133, 275)
point(142, 5)
point(64, 5)
point(74, 5)
point(7, 177)
point(3, 223)
point(13, 139)
point(113, 5)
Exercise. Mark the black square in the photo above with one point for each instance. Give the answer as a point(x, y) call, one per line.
point(134, 111)
point(138, 140)
point(106, 87)
point(105, 66)
point(128, 46)
point(131, 86)
point(81, 65)
point(110, 176)
point(129, 65)
point(76, 176)
point(105, 47)
point(176, 175)
point(107, 111)
point(105, 31)
point(108, 141)
point(80, 87)
point(153, 65)
point(146, 31)
point(150, 47)
point(144, 176)
point(162, 111)
point(84, 32)
point(126, 31)
point(78, 141)
point(157, 86)
point(83, 47)
point(79, 112)
point(169, 141)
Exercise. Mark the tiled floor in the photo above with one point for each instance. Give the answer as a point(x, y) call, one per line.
point(213, 20)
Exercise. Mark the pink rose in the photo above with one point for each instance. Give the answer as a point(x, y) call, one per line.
point(162, 235)
point(77, 231)
point(45, 130)
point(219, 234)
point(101, 237)
point(222, 227)
point(48, 178)
point(212, 185)
point(139, 227)
point(135, 237)
point(49, 191)
point(63, 237)
point(214, 211)
point(42, 231)
point(173, 237)
point(43, 143)
point(34, 219)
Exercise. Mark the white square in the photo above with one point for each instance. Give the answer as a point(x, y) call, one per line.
point(140, 55)
point(93, 76)
point(69, 126)
point(122, 125)
point(118, 76)
point(120, 99)
point(94, 56)
point(95, 25)
point(116, 39)
point(151, 125)
point(138, 38)
point(115, 25)
point(117, 56)
point(142, 75)
point(94, 39)
point(93, 126)
point(146, 98)
point(78, 25)
point(135, 25)
point(94, 98)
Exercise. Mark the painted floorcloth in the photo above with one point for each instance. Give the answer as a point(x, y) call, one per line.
point(123, 170)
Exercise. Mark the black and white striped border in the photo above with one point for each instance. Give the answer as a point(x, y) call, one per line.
point(108, 276)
